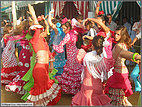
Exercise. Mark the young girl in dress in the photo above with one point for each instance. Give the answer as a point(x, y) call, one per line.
point(24, 59)
point(45, 91)
point(56, 36)
point(118, 86)
point(10, 66)
point(91, 93)
point(91, 33)
point(71, 76)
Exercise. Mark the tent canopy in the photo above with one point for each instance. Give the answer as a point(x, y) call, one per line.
point(81, 6)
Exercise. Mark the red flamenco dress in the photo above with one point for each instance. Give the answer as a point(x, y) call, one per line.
point(24, 61)
point(45, 91)
point(10, 66)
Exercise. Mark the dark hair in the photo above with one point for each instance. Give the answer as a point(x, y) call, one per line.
point(79, 17)
point(42, 23)
point(7, 28)
point(32, 32)
point(125, 18)
point(106, 19)
point(102, 17)
point(89, 23)
point(2, 24)
point(57, 17)
point(54, 21)
point(68, 24)
point(109, 15)
point(124, 35)
point(98, 44)
point(24, 25)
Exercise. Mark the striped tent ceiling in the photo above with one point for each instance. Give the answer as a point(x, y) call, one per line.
point(81, 6)
point(110, 7)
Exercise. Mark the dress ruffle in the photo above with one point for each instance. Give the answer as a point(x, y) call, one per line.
point(96, 100)
point(70, 80)
point(7, 74)
point(45, 96)
point(15, 88)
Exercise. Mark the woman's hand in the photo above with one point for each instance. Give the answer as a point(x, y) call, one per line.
point(42, 17)
point(31, 10)
point(52, 11)
point(98, 3)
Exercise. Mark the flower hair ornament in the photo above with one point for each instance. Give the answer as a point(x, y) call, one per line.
point(101, 13)
point(58, 25)
point(64, 20)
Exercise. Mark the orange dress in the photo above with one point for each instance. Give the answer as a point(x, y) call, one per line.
point(45, 91)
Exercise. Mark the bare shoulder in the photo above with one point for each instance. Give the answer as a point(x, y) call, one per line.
point(118, 47)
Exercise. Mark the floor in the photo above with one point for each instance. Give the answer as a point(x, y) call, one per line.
point(10, 97)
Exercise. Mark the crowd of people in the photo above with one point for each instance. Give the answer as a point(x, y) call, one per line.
point(85, 58)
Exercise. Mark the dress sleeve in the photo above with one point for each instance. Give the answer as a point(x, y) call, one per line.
point(35, 36)
point(134, 26)
point(59, 48)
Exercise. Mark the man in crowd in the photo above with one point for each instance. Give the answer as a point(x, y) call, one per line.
point(111, 24)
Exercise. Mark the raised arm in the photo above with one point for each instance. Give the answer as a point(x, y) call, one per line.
point(97, 8)
point(126, 54)
point(105, 28)
point(47, 26)
point(32, 13)
point(53, 26)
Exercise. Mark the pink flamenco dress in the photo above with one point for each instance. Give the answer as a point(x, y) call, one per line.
point(71, 76)
point(118, 86)
point(24, 62)
point(91, 93)
point(44, 91)
point(10, 66)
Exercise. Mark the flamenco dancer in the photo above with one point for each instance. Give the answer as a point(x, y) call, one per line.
point(10, 66)
point(56, 36)
point(91, 93)
point(24, 59)
point(118, 86)
point(45, 91)
point(71, 76)
point(28, 76)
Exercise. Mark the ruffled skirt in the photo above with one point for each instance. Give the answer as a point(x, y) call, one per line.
point(91, 96)
point(118, 87)
point(45, 91)
point(70, 78)
point(8, 74)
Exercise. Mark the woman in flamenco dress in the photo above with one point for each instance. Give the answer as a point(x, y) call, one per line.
point(24, 59)
point(71, 76)
point(56, 36)
point(10, 65)
point(45, 91)
point(91, 93)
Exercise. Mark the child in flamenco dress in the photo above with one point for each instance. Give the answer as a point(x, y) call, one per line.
point(118, 86)
point(10, 66)
point(71, 76)
point(24, 60)
point(45, 91)
point(28, 76)
point(56, 36)
point(91, 93)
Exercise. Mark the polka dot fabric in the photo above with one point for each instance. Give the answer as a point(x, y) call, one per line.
point(71, 76)
point(10, 66)
point(24, 62)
